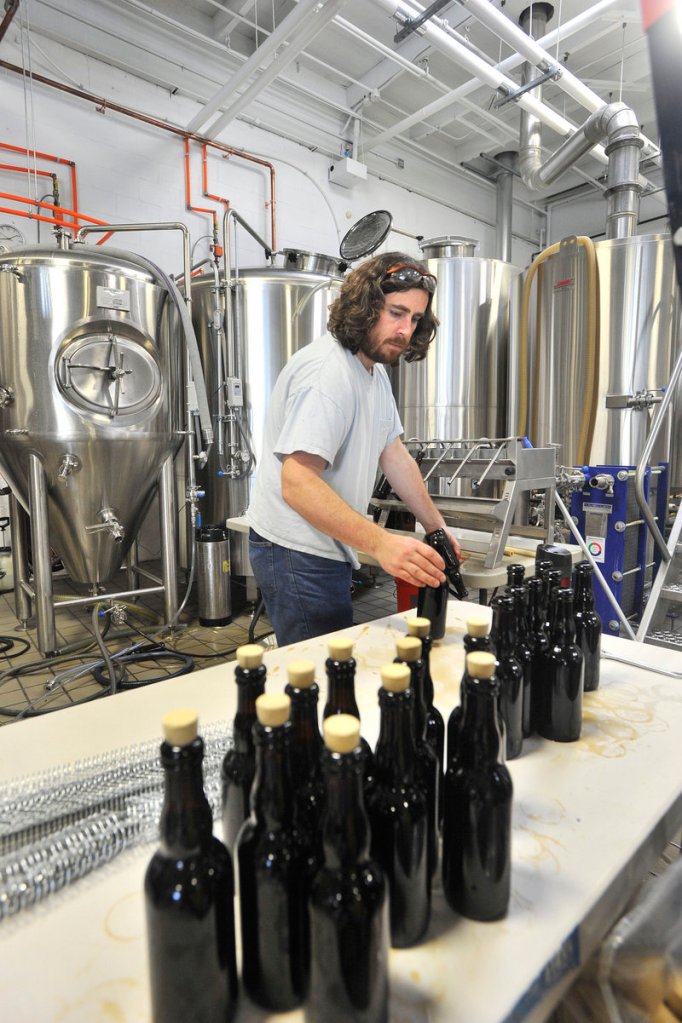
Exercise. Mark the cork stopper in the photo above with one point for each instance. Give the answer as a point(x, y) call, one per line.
point(250, 655)
point(418, 627)
point(340, 649)
point(341, 733)
point(395, 677)
point(272, 709)
point(481, 665)
point(180, 727)
point(478, 625)
point(301, 673)
point(409, 648)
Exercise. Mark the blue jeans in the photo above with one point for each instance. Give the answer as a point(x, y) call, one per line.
point(304, 595)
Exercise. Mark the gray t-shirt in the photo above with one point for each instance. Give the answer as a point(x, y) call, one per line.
point(324, 403)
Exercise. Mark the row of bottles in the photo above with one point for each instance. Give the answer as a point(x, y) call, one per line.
point(337, 845)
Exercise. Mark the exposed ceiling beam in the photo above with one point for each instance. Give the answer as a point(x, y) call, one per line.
point(268, 48)
point(297, 42)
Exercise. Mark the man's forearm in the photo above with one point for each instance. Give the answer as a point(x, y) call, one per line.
point(307, 493)
point(406, 479)
point(318, 504)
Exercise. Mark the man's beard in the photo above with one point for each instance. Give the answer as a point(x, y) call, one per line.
point(374, 351)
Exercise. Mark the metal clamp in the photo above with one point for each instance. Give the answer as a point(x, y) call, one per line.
point(6, 396)
point(109, 524)
point(640, 401)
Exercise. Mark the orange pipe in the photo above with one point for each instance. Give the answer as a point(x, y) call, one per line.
point(188, 195)
point(204, 169)
point(51, 206)
point(55, 159)
point(22, 170)
point(32, 216)
point(164, 126)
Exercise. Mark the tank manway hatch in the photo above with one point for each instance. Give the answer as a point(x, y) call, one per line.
point(108, 374)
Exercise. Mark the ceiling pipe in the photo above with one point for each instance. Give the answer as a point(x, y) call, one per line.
point(615, 122)
point(485, 73)
point(517, 38)
point(268, 48)
point(504, 193)
point(315, 24)
point(533, 21)
point(11, 8)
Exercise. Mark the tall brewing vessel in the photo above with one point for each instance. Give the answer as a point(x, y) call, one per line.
point(639, 319)
point(460, 389)
point(91, 383)
point(275, 311)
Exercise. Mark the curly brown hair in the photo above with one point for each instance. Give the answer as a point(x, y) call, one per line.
point(353, 314)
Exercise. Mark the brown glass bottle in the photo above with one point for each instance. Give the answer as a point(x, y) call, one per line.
point(341, 667)
point(305, 756)
point(432, 603)
point(239, 764)
point(478, 803)
point(476, 640)
point(552, 581)
point(587, 625)
point(523, 652)
point(428, 769)
point(538, 641)
point(509, 672)
point(515, 574)
point(189, 892)
point(398, 813)
point(435, 725)
point(273, 881)
point(349, 929)
point(560, 691)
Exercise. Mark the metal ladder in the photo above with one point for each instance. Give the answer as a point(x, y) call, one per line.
point(666, 591)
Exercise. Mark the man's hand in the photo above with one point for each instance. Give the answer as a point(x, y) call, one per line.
point(409, 559)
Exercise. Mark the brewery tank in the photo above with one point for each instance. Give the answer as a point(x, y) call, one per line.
point(91, 382)
point(275, 311)
point(639, 319)
point(460, 389)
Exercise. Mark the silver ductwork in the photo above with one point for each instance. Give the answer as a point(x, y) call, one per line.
point(504, 193)
point(614, 122)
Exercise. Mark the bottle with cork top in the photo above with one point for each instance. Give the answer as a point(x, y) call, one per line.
point(239, 764)
point(349, 927)
point(559, 705)
point(435, 725)
point(432, 603)
point(341, 667)
point(478, 803)
point(273, 882)
point(306, 756)
point(428, 769)
point(398, 813)
point(476, 639)
point(189, 892)
point(587, 624)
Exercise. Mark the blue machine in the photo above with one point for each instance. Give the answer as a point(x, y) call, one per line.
point(607, 515)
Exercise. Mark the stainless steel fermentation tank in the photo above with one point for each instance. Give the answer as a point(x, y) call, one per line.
point(460, 389)
point(275, 311)
point(638, 323)
point(91, 392)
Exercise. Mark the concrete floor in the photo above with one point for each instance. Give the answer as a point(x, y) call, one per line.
point(28, 694)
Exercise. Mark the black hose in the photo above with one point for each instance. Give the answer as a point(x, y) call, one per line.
point(8, 642)
point(143, 657)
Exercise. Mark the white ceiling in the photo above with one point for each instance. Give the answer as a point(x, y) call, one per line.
point(339, 75)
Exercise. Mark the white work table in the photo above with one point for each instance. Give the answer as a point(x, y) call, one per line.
point(590, 818)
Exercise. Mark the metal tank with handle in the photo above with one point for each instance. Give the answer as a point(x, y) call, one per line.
point(91, 392)
point(460, 389)
point(275, 310)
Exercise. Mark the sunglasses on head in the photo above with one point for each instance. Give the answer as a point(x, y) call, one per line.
point(407, 273)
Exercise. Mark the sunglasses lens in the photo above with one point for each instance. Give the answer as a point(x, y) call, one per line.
point(412, 274)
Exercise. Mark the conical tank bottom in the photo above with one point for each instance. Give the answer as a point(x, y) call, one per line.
point(114, 480)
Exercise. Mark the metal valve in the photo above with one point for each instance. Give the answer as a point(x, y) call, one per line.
point(109, 523)
point(6, 396)
point(68, 465)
